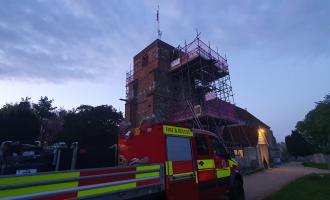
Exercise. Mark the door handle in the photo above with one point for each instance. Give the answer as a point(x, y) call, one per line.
point(179, 177)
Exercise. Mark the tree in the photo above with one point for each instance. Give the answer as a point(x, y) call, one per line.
point(45, 112)
point(44, 108)
point(297, 145)
point(86, 124)
point(91, 125)
point(316, 126)
point(18, 122)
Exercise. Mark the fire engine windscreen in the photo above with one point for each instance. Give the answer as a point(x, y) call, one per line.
point(178, 148)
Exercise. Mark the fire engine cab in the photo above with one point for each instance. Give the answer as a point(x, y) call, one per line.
point(197, 166)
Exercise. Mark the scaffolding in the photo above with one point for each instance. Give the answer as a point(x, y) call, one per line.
point(129, 79)
point(207, 67)
point(201, 88)
point(194, 86)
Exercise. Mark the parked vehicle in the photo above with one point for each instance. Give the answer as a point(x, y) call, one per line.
point(159, 161)
point(18, 158)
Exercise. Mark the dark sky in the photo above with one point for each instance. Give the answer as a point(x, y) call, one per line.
point(78, 52)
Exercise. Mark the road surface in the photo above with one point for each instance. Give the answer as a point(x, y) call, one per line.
point(259, 185)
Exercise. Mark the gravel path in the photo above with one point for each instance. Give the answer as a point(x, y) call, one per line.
point(259, 185)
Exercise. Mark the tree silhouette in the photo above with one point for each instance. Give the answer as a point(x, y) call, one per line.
point(91, 125)
point(297, 145)
point(44, 108)
point(27, 122)
point(19, 122)
point(316, 126)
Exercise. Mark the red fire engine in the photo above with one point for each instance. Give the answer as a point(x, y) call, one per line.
point(159, 161)
point(197, 166)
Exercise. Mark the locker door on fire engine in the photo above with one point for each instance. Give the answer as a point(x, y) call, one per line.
point(179, 168)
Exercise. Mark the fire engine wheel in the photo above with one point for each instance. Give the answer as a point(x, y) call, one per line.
point(237, 191)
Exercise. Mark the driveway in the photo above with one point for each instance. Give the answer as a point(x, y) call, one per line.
point(259, 185)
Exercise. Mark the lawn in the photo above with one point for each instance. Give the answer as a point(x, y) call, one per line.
point(316, 165)
point(316, 187)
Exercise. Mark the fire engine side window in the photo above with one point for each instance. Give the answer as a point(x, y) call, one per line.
point(178, 148)
point(201, 145)
point(218, 148)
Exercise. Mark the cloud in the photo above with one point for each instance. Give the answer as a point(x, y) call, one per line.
point(67, 39)
point(62, 40)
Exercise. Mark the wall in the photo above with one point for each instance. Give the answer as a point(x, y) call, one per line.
point(148, 92)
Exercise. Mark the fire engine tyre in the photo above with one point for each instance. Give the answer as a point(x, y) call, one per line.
point(236, 192)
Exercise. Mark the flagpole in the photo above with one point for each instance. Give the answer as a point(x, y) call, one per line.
point(158, 26)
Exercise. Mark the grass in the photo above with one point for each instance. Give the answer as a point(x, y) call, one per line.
point(316, 187)
point(316, 165)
